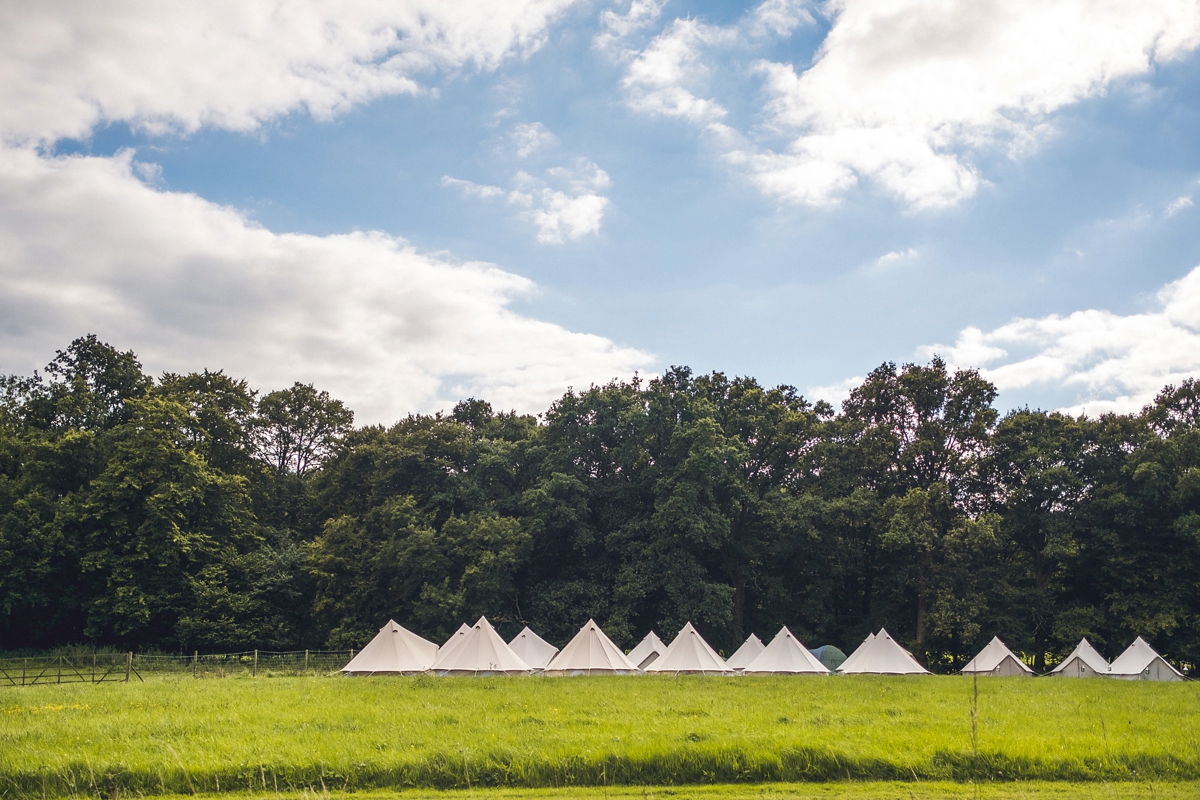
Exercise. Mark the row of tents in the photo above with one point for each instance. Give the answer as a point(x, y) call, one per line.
point(479, 650)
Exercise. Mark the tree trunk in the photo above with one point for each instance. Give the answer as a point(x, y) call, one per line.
point(923, 560)
point(739, 603)
point(1041, 582)
point(922, 611)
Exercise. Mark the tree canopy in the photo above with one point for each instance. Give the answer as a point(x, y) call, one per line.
point(192, 512)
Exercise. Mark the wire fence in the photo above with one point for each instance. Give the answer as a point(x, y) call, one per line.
point(107, 667)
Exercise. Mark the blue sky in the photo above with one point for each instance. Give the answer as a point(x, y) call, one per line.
point(1036, 222)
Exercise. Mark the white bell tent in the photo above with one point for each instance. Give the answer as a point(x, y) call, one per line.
point(1140, 662)
point(591, 653)
point(1083, 662)
point(881, 655)
point(689, 653)
point(997, 660)
point(785, 655)
point(533, 649)
point(456, 638)
point(395, 650)
point(647, 651)
point(850, 659)
point(746, 653)
point(481, 652)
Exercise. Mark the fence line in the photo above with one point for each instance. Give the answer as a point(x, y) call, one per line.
point(101, 667)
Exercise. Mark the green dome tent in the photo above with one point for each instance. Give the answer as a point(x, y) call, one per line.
point(830, 656)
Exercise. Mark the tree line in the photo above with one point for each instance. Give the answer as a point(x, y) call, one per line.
point(192, 512)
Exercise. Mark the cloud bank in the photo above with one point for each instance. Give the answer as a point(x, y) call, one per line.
point(188, 284)
point(1120, 361)
point(902, 93)
point(88, 244)
point(69, 65)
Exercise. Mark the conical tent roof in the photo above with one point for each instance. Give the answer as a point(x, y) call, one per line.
point(1140, 661)
point(456, 638)
point(1083, 661)
point(395, 650)
point(857, 653)
point(882, 656)
point(591, 653)
point(995, 659)
point(785, 655)
point(689, 653)
point(481, 652)
point(533, 649)
point(746, 653)
point(647, 650)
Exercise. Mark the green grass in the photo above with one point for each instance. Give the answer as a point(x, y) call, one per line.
point(844, 790)
point(332, 735)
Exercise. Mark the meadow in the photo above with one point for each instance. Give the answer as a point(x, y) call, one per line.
point(317, 736)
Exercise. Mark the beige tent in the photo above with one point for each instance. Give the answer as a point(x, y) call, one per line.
point(1139, 662)
point(456, 638)
point(746, 653)
point(481, 652)
point(785, 656)
point(689, 653)
point(997, 660)
point(647, 650)
point(1083, 662)
point(395, 651)
point(591, 653)
point(850, 659)
point(881, 655)
point(533, 649)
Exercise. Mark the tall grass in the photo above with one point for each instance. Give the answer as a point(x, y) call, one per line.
point(187, 736)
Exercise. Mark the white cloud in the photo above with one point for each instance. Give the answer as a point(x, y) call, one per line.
point(641, 13)
point(68, 65)
point(567, 206)
point(92, 245)
point(529, 137)
point(87, 246)
point(148, 171)
point(887, 259)
point(903, 92)
point(779, 17)
point(1179, 204)
point(835, 393)
point(661, 78)
point(484, 191)
point(1119, 363)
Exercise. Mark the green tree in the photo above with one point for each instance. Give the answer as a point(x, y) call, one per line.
point(87, 387)
point(918, 428)
point(297, 429)
point(155, 521)
point(222, 413)
point(395, 563)
point(1035, 474)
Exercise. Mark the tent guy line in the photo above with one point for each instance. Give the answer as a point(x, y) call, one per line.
point(479, 650)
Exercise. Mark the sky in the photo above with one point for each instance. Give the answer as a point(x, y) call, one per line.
point(410, 203)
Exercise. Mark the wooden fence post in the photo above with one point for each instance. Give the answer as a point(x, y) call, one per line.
point(195, 658)
point(254, 669)
point(60, 659)
point(305, 662)
point(128, 665)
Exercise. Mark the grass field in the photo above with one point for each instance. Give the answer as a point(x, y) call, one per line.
point(330, 735)
point(843, 790)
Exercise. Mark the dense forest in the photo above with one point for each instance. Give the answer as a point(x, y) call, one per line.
point(192, 512)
